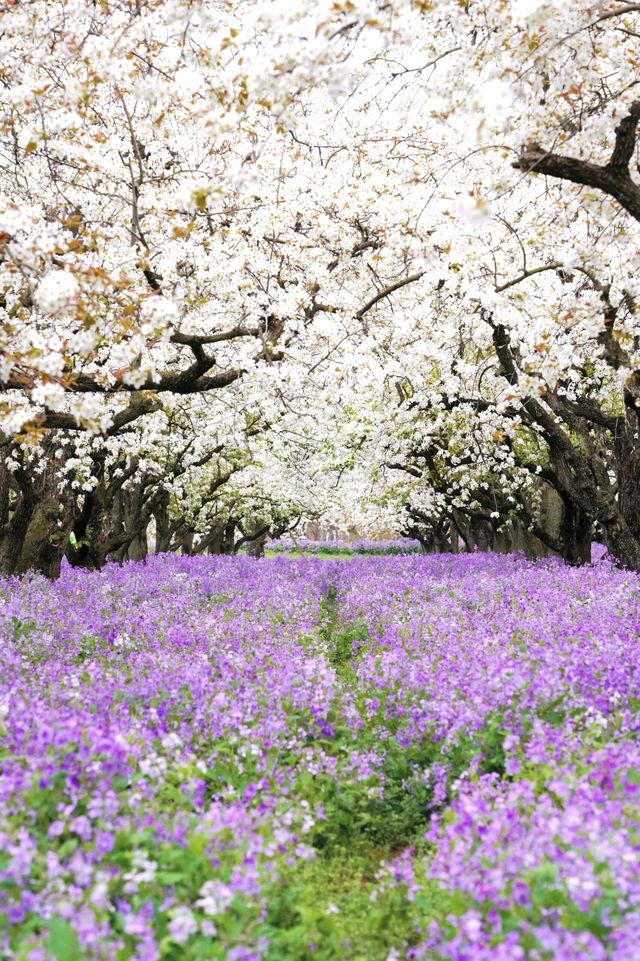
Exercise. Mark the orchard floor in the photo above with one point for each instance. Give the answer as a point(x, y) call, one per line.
point(310, 758)
point(327, 555)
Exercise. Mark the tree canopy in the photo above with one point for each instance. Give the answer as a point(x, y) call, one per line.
point(372, 260)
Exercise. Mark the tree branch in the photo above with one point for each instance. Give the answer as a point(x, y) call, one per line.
point(625, 141)
point(528, 273)
point(613, 178)
point(381, 294)
point(204, 340)
point(608, 15)
point(584, 409)
point(619, 12)
point(502, 347)
point(137, 407)
point(247, 538)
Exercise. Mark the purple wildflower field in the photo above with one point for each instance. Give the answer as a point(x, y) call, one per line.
point(388, 758)
point(305, 545)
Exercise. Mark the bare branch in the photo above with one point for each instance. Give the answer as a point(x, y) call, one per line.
point(528, 273)
point(386, 291)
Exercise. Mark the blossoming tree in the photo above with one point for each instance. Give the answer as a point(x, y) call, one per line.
point(415, 218)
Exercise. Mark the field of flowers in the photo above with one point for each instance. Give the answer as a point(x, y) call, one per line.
point(304, 545)
point(362, 759)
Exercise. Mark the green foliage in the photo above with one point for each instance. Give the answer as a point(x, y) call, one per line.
point(62, 941)
point(338, 907)
point(22, 629)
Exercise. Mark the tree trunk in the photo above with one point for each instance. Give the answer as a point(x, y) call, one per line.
point(213, 540)
point(91, 525)
point(15, 531)
point(482, 533)
point(135, 520)
point(44, 543)
point(627, 450)
point(41, 523)
point(575, 533)
point(255, 547)
point(184, 540)
point(163, 522)
point(90, 531)
point(619, 540)
point(5, 493)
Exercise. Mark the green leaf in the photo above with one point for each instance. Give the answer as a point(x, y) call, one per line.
point(62, 941)
point(171, 877)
